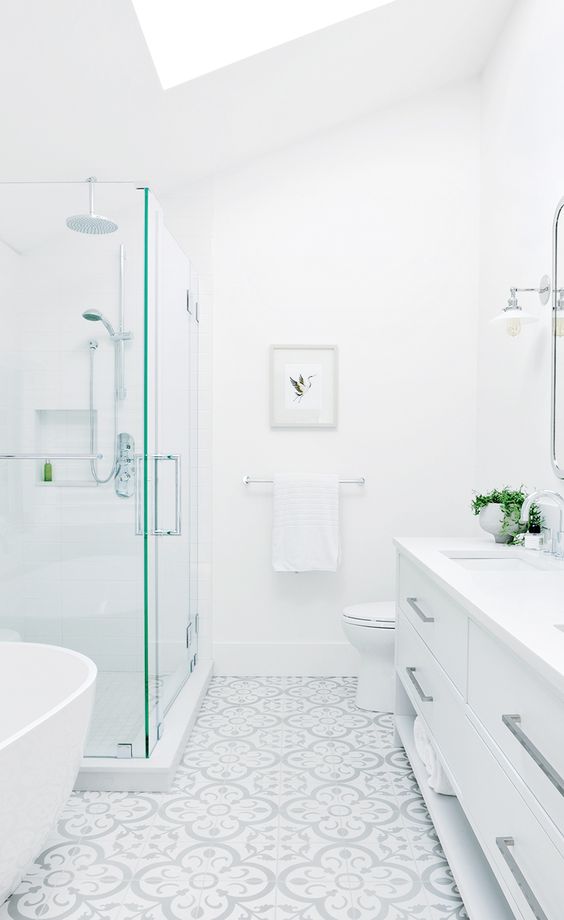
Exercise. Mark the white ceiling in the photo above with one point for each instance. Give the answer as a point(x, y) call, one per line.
point(79, 94)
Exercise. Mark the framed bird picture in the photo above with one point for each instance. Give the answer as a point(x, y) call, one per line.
point(303, 386)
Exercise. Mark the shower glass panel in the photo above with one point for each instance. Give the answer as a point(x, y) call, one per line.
point(172, 439)
point(100, 567)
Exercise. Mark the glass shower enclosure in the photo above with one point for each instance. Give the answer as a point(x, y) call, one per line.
point(98, 445)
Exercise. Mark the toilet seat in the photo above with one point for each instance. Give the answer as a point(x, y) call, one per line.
point(375, 615)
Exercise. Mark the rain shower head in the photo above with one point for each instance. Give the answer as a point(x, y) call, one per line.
point(94, 316)
point(91, 223)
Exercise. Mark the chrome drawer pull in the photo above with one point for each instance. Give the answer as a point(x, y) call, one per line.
point(412, 601)
point(503, 844)
point(422, 696)
point(513, 723)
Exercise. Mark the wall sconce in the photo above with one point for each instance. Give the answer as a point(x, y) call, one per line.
point(513, 314)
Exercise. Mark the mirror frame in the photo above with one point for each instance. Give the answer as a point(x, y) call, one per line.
point(558, 470)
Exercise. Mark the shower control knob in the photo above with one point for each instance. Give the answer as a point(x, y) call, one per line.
point(125, 480)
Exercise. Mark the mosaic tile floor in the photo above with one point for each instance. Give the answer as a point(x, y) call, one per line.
point(289, 804)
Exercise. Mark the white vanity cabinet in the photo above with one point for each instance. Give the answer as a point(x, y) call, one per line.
point(498, 727)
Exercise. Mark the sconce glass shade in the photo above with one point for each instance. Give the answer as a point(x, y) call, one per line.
point(514, 318)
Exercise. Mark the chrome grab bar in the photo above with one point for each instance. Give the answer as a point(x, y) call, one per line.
point(158, 531)
point(503, 845)
point(412, 601)
point(49, 456)
point(513, 723)
point(420, 692)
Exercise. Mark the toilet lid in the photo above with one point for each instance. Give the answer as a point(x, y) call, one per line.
point(377, 613)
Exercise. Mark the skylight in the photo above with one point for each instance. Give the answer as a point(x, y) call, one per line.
point(189, 38)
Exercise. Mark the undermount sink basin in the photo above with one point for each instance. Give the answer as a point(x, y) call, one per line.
point(482, 562)
point(495, 565)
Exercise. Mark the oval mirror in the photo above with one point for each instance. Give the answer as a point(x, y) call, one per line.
point(557, 343)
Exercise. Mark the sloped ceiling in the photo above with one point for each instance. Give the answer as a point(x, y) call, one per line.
point(79, 93)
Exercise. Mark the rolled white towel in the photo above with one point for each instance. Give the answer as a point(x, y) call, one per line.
point(438, 780)
point(422, 743)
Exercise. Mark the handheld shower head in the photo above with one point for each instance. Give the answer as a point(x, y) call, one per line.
point(91, 223)
point(94, 316)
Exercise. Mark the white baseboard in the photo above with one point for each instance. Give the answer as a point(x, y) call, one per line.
point(285, 659)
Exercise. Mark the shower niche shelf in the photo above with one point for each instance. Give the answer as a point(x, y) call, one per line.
point(64, 431)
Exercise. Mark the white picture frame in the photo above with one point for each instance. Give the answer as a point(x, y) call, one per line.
point(303, 386)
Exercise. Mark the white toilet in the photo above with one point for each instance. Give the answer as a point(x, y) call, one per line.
point(371, 629)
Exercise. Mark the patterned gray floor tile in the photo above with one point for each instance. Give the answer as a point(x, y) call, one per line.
point(349, 882)
point(289, 804)
point(232, 758)
point(333, 759)
point(70, 881)
point(208, 881)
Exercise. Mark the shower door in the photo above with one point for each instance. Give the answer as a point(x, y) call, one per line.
point(170, 464)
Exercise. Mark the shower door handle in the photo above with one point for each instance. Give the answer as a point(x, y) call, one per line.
point(140, 491)
point(159, 531)
point(139, 479)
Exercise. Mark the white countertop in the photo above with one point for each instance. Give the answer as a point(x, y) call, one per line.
point(520, 607)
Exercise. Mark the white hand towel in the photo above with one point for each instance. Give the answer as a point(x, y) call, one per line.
point(305, 528)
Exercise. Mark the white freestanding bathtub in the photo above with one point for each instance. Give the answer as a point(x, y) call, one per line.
point(46, 697)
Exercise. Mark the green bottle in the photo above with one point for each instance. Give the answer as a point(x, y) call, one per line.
point(47, 472)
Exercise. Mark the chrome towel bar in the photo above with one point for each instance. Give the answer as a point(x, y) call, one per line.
point(247, 480)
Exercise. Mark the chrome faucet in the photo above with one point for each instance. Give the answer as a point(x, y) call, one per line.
point(556, 497)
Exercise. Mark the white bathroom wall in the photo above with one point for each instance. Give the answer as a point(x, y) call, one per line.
point(522, 181)
point(366, 238)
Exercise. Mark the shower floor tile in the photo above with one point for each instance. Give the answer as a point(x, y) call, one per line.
point(289, 804)
point(119, 712)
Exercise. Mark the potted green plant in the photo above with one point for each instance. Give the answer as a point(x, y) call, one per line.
point(499, 513)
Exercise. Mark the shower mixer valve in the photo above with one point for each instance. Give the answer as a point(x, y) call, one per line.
point(125, 475)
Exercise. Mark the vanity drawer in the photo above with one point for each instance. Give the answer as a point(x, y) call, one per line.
point(523, 715)
point(445, 715)
point(416, 668)
point(524, 858)
point(439, 620)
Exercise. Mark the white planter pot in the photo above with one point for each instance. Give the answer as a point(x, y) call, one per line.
point(491, 519)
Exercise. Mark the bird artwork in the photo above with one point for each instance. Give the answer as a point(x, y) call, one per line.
point(301, 386)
